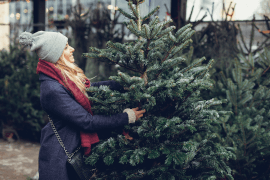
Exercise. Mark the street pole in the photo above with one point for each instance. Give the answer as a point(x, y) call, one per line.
point(178, 12)
point(39, 11)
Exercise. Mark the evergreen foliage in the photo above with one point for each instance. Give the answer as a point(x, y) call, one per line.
point(95, 24)
point(164, 144)
point(246, 86)
point(19, 93)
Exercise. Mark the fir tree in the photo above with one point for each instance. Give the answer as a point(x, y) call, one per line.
point(246, 86)
point(19, 93)
point(163, 145)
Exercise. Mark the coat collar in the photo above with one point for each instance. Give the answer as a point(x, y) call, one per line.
point(44, 77)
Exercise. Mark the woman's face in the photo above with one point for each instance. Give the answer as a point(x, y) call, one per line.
point(68, 53)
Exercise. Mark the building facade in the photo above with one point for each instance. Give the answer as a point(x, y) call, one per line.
point(4, 29)
point(21, 12)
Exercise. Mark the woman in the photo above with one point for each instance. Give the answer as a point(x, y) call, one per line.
point(64, 99)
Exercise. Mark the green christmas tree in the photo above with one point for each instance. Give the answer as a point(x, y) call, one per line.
point(20, 107)
point(246, 86)
point(164, 144)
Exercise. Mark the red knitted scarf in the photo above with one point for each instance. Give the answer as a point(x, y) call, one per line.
point(87, 139)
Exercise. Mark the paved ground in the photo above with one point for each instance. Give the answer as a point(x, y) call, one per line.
point(18, 160)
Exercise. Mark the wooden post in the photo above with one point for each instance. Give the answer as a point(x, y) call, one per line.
point(39, 15)
point(178, 12)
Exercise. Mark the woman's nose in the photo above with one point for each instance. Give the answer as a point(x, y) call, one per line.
point(72, 49)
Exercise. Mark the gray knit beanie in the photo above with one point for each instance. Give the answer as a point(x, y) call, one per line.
point(49, 46)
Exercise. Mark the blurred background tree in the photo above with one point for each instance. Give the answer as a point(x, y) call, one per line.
point(265, 8)
point(20, 109)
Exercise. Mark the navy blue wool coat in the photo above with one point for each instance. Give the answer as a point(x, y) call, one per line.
point(69, 118)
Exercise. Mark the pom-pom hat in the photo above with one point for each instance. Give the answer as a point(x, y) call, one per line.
point(49, 46)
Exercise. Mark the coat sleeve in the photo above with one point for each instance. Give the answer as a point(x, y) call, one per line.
point(112, 84)
point(59, 104)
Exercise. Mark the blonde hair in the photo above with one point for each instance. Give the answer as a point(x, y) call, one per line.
point(73, 72)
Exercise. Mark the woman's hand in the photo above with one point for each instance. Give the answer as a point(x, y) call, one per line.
point(138, 114)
